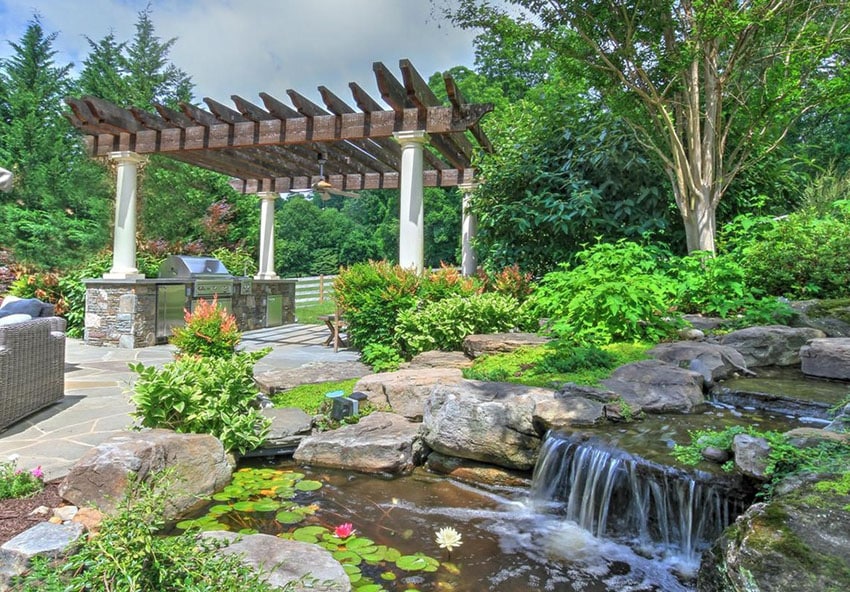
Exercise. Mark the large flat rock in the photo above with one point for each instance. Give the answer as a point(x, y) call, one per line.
point(404, 392)
point(493, 343)
point(275, 381)
point(827, 358)
point(773, 345)
point(714, 361)
point(289, 565)
point(490, 422)
point(383, 443)
point(657, 387)
point(198, 463)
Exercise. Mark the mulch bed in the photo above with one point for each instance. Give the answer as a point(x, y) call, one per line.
point(15, 513)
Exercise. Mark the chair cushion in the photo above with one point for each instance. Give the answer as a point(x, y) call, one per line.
point(13, 318)
point(28, 306)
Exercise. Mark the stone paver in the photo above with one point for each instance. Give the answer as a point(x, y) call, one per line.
point(97, 398)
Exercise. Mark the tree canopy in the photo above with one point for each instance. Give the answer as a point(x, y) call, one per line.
point(710, 88)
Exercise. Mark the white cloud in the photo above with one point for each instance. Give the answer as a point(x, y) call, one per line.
point(244, 47)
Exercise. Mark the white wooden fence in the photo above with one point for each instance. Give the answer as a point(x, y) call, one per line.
point(319, 288)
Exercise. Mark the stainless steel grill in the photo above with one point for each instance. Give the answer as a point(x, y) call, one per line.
point(204, 277)
point(209, 274)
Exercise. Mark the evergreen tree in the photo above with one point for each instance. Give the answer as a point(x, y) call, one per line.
point(57, 211)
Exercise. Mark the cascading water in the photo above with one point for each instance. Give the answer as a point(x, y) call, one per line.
point(614, 494)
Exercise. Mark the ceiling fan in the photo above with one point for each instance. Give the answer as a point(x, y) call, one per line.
point(324, 188)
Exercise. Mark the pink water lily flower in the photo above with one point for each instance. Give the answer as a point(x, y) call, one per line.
point(37, 472)
point(344, 530)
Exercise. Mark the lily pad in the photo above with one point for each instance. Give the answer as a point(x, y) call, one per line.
point(289, 517)
point(308, 485)
point(417, 562)
point(309, 534)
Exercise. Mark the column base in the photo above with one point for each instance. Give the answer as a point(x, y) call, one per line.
point(123, 275)
point(267, 276)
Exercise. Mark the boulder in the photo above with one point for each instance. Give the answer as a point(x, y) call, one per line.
point(303, 566)
point(45, 539)
point(497, 343)
point(441, 359)
point(289, 426)
point(404, 392)
point(841, 422)
point(827, 358)
point(566, 413)
point(476, 473)
point(830, 316)
point(702, 323)
point(806, 437)
point(715, 362)
point(751, 455)
point(774, 345)
point(275, 381)
point(197, 463)
point(382, 443)
point(798, 541)
point(657, 387)
point(490, 422)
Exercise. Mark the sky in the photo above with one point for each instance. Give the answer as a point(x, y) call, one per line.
point(245, 47)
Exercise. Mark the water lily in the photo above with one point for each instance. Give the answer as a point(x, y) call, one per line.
point(37, 472)
point(448, 538)
point(344, 530)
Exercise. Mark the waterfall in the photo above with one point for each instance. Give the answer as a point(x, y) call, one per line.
point(614, 494)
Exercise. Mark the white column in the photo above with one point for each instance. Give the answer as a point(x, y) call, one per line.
point(411, 232)
point(469, 226)
point(124, 229)
point(266, 271)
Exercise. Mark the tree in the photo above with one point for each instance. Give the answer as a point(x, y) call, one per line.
point(709, 87)
point(58, 211)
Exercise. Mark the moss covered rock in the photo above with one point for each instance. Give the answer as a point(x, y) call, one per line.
point(798, 541)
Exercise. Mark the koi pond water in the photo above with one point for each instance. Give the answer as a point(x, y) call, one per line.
point(506, 543)
point(607, 509)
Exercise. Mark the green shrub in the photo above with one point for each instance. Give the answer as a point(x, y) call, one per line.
point(710, 284)
point(370, 295)
point(617, 292)
point(210, 331)
point(381, 358)
point(802, 256)
point(129, 554)
point(237, 261)
point(444, 324)
point(17, 483)
point(203, 396)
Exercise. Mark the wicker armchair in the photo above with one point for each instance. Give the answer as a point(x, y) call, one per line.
point(32, 367)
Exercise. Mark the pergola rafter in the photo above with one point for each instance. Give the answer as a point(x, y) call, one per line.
point(274, 148)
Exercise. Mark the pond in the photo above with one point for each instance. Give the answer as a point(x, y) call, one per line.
point(508, 544)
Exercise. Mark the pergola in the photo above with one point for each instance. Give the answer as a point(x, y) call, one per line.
point(417, 142)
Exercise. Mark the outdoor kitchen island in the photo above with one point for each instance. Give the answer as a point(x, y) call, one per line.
point(132, 313)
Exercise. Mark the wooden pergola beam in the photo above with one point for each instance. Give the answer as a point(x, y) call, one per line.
point(277, 145)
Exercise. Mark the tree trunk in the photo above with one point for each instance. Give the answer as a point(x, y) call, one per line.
point(700, 225)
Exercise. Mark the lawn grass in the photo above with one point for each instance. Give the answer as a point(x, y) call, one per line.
point(306, 314)
point(310, 397)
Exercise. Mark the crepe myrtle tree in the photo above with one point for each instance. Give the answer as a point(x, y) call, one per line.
point(710, 87)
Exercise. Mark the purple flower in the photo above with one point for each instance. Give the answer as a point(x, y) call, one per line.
point(37, 472)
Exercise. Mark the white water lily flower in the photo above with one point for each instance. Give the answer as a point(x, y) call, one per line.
point(448, 538)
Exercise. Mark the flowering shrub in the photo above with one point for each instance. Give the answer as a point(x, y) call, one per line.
point(210, 332)
point(17, 483)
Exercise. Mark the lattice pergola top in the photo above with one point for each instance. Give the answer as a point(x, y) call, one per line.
point(276, 148)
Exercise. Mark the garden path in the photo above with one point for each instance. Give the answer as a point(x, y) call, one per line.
point(97, 393)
